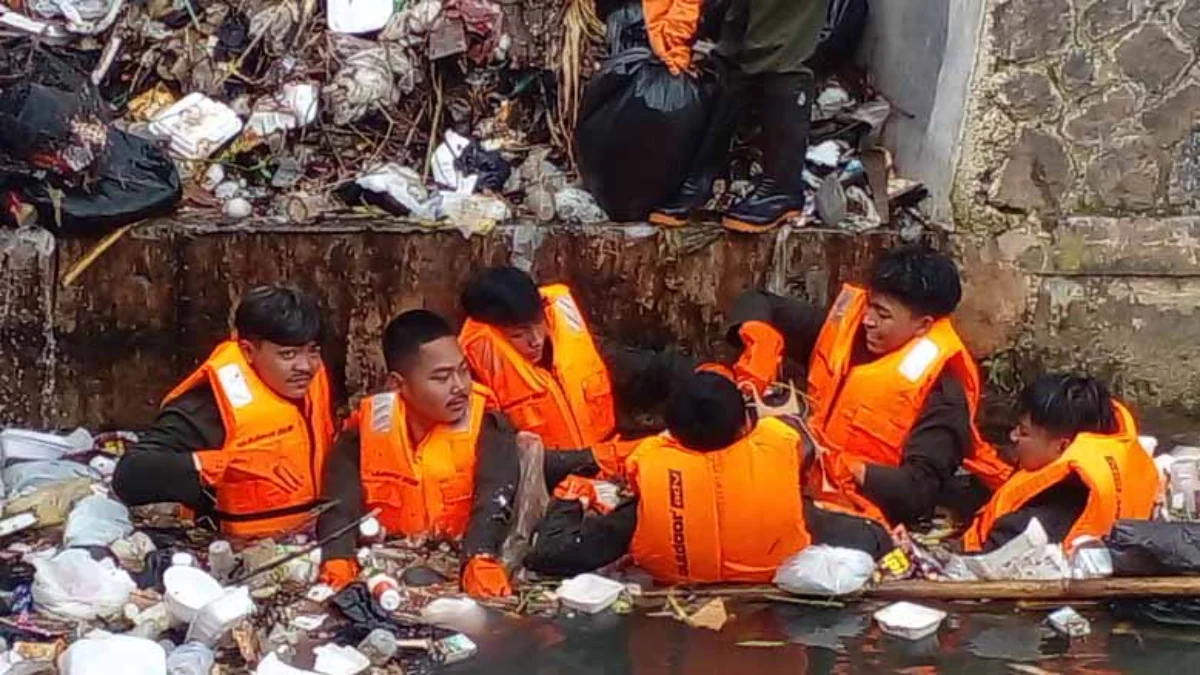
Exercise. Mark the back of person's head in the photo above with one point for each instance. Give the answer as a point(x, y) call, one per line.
point(284, 315)
point(502, 296)
point(925, 281)
point(706, 413)
point(1065, 404)
point(405, 334)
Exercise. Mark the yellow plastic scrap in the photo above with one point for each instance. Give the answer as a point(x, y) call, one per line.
point(147, 104)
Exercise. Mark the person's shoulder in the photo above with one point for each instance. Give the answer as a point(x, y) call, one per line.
point(199, 400)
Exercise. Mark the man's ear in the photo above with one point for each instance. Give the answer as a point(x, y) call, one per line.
point(249, 350)
point(924, 324)
point(394, 381)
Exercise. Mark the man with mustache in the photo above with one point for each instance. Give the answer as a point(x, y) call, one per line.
point(432, 453)
point(893, 389)
point(242, 440)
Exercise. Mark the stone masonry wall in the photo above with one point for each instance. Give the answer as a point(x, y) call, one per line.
point(1076, 193)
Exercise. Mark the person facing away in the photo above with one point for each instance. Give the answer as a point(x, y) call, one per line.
point(717, 498)
point(892, 389)
point(532, 347)
point(243, 439)
point(431, 452)
point(1081, 467)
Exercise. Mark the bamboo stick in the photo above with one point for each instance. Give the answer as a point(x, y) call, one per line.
point(920, 589)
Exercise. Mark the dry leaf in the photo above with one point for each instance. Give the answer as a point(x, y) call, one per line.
point(711, 616)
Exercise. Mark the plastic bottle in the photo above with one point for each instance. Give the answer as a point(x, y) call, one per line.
point(386, 591)
point(372, 531)
point(379, 646)
point(221, 560)
point(191, 658)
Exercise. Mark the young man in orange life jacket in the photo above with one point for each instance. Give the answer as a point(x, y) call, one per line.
point(432, 453)
point(715, 498)
point(893, 391)
point(1081, 467)
point(243, 439)
point(532, 347)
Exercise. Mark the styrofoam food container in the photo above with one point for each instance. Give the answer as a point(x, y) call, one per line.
point(909, 621)
point(589, 593)
point(187, 590)
point(215, 619)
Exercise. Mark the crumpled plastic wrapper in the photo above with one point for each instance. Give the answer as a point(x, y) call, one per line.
point(372, 74)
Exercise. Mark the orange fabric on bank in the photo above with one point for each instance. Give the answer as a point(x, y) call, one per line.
point(866, 411)
point(570, 405)
point(1121, 478)
point(729, 515)
point(426, 489)
point(268, 474)
point(671, 26)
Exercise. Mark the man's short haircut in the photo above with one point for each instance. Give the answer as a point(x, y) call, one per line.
point(925, 281)
point(1065, 404)
point(404, 335)
point(281, 314)
point(706, 413)
point(503, 296)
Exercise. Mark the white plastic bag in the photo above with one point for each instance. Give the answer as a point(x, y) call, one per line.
point(113, 654)
point(1028, 556)
point(192, 658)
point(73, 585)
point(28, 476)
point(825, 570)
point(96, 521)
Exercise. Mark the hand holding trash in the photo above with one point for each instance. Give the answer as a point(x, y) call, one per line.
point(583, 490)
point(485, 577)
point(671, 26)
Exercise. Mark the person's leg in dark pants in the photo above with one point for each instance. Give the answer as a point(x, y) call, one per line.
point(570, 541)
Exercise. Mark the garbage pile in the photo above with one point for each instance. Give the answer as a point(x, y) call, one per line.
point(456, 113)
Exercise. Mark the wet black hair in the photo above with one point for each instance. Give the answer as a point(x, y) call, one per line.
point(1065, 404)
point(926, 281)
point(284, 315)
point(706, 413)
point(502, 296)
point(404, 335)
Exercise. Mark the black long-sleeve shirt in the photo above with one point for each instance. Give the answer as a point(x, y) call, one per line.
point(161, 466)
point(497, 474)
point(940, 436)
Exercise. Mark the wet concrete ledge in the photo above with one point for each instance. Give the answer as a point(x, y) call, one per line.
point(105, 349)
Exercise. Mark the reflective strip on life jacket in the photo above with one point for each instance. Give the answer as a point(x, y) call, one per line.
point(1121, 477)
point(268, 474)
point(868, 410)
point(728, 515)
point(571, 407)
point(423, 490)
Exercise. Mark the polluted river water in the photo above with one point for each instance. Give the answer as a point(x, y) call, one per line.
point(977, 638)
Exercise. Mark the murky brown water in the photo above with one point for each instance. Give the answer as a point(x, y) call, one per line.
point(974, 640)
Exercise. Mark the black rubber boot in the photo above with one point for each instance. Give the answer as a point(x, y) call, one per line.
point(710, 159)
point(787, 120)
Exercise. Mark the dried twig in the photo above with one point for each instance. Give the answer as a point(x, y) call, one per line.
point(436, 78)
point(94, 254)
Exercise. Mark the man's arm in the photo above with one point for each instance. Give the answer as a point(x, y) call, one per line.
point(933, 451)
point(497, 474)
point(796, 320)
point(162, 466)
point(342, 483)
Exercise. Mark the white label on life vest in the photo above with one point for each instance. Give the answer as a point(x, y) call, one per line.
point(233, 383)
point(383, 407)
point(919, 358)
point(566, 307)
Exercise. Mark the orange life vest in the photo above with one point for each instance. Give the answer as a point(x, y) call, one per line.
point(570, 406)
point(868, 410)
point(268, 474)
point(422, 490)
point(1121, 477)
point(730, 515)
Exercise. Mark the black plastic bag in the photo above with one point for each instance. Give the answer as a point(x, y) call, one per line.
point(1181, 612)
point(364, 615)
point(638, 131)
point(845, 24)
point(135, 180)
point(1146, 548)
